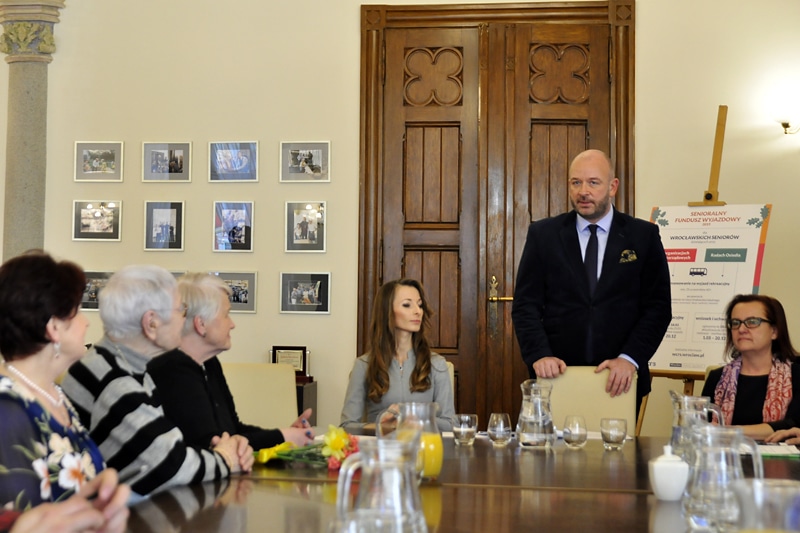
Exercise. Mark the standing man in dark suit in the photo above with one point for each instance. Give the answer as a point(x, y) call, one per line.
point(562, 316)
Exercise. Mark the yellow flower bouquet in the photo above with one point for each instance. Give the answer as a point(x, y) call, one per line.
point(335, 446)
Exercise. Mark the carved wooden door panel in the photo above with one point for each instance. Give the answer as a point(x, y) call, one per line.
point(429, 202)
point(469, 120)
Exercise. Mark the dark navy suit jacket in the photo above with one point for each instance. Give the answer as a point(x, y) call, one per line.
point(629, 312)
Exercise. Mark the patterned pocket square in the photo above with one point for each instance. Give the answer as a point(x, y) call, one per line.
point(627, 256)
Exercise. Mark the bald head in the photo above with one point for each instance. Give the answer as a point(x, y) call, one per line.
point(597, 158)
point(592, 184)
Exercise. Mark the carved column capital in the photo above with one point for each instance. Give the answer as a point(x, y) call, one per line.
point(28, 29)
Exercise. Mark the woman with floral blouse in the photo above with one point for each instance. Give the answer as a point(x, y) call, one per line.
point(45, 453)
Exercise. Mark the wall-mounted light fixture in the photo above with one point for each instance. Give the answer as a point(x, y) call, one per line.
point(102, 209)
point(788, 129)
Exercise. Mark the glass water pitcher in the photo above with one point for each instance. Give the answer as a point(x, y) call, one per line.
point(535, 425)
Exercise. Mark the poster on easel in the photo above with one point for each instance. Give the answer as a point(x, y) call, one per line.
point(714, 253)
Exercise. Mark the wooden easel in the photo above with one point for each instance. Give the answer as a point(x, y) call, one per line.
point(710, 198)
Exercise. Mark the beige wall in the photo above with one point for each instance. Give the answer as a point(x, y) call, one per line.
point(690, 58)
point(202, 70)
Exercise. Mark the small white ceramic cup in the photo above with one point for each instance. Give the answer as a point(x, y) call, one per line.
point(668, 475)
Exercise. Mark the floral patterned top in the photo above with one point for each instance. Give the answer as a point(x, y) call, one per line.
point(40, 460)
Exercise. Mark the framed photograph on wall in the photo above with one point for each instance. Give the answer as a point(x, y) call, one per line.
point(305, 226)
point(243, 288)
point(306, 161)
point(165, 162)
point(96, 220)
point(233, 161)
point(233, 227)
point(98, 161)
point(305, 293)
point(163, 226)
point(95, 281)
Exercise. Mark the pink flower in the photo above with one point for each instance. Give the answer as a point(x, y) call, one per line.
point(334, 463)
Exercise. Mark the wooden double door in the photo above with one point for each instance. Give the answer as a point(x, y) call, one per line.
point(469, 119)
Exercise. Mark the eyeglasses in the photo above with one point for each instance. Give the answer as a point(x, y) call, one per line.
point(750, 322)
point(183, 309)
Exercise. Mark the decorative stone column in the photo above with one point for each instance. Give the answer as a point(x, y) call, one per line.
point(28, 42)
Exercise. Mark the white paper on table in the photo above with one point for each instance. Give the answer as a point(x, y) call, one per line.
point(778, 450)
point(321, 438)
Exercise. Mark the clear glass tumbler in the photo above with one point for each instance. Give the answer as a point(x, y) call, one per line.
point(499, 429)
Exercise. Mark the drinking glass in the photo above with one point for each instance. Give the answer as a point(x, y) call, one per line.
point(413, 417)
point(574, 431)
point(768, 505)
point(613, 431)
point(499, 429)
point(465, 426)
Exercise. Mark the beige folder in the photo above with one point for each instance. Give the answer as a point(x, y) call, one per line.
point(579, 391)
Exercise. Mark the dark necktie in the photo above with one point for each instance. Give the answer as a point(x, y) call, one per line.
point(590, 259)
point(590, 263)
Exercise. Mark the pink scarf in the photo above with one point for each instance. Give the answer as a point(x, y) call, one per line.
point(779, 390)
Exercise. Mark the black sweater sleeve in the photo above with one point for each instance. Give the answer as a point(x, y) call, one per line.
point(182, 387)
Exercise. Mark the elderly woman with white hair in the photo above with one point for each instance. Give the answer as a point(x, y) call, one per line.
point(143, 316)
point(190, 380)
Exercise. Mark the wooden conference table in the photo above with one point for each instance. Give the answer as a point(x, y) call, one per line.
point(480, 489)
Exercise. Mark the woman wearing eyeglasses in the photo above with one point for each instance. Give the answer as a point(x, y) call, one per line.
point(760, 388)
point(190, 380)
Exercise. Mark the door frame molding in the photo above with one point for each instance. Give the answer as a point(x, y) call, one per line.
point(375, 19)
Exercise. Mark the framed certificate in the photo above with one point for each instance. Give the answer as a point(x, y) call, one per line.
point(297, 356)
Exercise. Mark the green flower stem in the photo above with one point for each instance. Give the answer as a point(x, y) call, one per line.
point(311, 454)
point(305, 448)
point(302, 459)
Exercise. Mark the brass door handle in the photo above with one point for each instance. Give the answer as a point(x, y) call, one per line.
point(493, 299)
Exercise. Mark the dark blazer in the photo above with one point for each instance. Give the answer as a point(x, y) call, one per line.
point(629, 312)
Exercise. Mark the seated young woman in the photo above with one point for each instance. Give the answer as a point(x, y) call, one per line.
point(400, 366)
point(143, 316)
point(45, 454)
point(192, 386)
point(759, 389)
